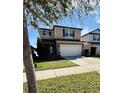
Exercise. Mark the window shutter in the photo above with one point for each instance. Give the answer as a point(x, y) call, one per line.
point(93, 37)
point(50, 33)
point(73, 33)
point(63, 32)
point(43, 32)
point(98, 38)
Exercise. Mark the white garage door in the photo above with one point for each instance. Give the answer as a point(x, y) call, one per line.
point(70, 50)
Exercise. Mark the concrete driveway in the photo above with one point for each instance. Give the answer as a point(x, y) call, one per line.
point(86, 62)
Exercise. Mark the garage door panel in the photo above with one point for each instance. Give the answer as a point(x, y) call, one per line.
point(70, 50)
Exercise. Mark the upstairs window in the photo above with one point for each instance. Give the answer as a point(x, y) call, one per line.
point(47, 33)
point(68, 32)
point(65, 32)
point(96, 37)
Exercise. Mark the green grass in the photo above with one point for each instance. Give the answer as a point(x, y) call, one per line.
point(61, 63)
point(79, 83)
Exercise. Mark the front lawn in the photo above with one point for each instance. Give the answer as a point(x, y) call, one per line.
point(61, 63)
point(79, 83)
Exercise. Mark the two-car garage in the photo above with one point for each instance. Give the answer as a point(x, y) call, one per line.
point(70, 50)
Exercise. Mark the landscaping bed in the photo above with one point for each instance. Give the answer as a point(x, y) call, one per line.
point(79, 83)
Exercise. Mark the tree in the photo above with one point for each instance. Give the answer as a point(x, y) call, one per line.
point(47, 12)
point(40, 50)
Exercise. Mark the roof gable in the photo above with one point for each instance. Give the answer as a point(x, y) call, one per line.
point(96, 31)
point(59, 27)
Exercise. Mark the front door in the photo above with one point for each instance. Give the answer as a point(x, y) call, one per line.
point(93, 51)
point(86, 52)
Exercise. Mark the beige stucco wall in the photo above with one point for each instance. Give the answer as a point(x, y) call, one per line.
point(89, 45)
point(91, 38)
point(46, 37)
point(59, 34)
point(86, 38)
point(77, 34)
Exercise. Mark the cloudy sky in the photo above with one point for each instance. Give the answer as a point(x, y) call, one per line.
point(87, 23)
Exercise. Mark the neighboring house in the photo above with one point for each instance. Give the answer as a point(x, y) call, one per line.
point(61, 41)
point(91, 43)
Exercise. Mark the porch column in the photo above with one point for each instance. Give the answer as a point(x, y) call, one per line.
point(82, 52)
point(58, 49)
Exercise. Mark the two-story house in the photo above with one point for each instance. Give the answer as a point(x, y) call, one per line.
point(61, 41)
point(91, 43)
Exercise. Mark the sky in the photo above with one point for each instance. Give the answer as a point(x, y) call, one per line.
point(87, 23)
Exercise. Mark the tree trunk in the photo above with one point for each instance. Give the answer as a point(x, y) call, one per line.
point(28, 62)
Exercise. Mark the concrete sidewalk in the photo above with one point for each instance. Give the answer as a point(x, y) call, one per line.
point(86, 65)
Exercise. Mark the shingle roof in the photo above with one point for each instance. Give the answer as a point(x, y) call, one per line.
point(90, 32)
point(66, 27)
point(61, 27)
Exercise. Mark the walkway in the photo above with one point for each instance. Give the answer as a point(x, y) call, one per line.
point(86, 65)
